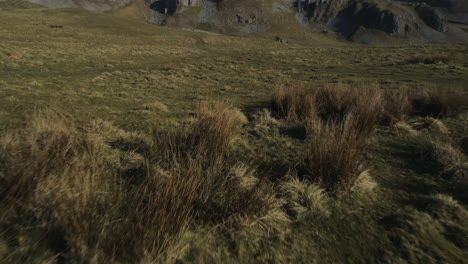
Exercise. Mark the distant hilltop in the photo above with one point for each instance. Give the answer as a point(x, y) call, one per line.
point(363, 21)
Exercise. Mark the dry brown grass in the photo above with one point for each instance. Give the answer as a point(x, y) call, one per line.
point(208, 138)
point(339, 121)
point(397, 106)
point(294, 101)
point(303, 198)
point(215, 128)
point(369, 103)
point(330, 103)
point(401, 103)
point(48, 147)
point(366, 109)
point(452, 160)
point(427, 59)
point(71, 184)
point(225, 191)
point(77, 185)
point(439, 102)
point(335, 101)
point(334, 156)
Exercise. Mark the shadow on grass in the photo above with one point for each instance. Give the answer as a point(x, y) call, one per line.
point(296, 132)
point(417, 172)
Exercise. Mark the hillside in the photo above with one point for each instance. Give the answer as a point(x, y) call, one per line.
point(363, 21)
point(126, 142)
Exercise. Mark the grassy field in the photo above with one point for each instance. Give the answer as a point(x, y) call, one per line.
point(112, 150)
point(112, 65)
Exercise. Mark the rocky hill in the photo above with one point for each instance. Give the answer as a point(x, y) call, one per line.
point(363, 21)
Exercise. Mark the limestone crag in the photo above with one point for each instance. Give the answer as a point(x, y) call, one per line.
point(432, 17)
point(422, 19)
point(367, 21)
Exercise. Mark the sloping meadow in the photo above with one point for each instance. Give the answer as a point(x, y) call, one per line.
point(92, 192)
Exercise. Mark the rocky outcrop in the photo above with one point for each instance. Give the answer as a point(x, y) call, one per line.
point(164, 6)
point(432, 17)
point(374, 21)
point(452, 5)
point(349, 16)
point(171, 6)
point(371, 16)
point(321, 11)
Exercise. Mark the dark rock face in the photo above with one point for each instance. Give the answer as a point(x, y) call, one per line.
point(321, 12)
point(432, 18)
point(452, 5)
point(372, 17)
point(165, 6)
point(371, 21)
point(347, 17)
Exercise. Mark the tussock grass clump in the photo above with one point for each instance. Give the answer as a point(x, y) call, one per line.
point(335, 101)
point(364, 182)
point(401, 103)
point(444, 206)
point(427, 59)
point(216, 127)
point(332, 102)
point(227, 189)
point(294, 101)
point(397, 106)
point(339, 120)
point(405, 129)
point(303, 198)
point(263, 120)
point(452, 160)
point(46, 148)
point(88, 187)
point(207, 139)
point(429, 124)
point(367, 109)
point(439, 102)
point(70, 182)
point(94, 215)
point(334, 156)
point(446, 155)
